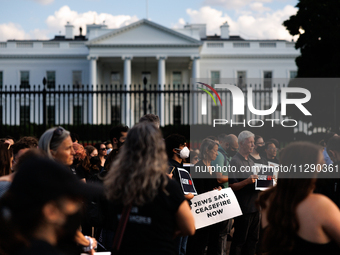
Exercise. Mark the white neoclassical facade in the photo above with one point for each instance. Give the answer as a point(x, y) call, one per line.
point(131, 54)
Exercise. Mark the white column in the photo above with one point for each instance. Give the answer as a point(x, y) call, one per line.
point(195, 76)
point(127, 115)
point(161, 83)
point(92, 99)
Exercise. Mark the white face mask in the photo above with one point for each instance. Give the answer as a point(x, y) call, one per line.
point(108, 151)
point(184, 153)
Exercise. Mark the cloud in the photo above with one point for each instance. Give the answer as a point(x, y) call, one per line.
point(207, 15)
point(258, 7)
point(11, 31)
point(266, 25)
point(232, 4)
point(179, 24)
point(44, 2)
point(58, 21)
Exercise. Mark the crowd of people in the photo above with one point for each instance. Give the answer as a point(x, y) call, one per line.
point(125, 195)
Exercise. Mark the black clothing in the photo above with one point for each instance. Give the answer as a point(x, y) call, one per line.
point(274, 160)
point(206, 182)
point(262, 160)
point(207, 236)
point(246, 196)
point(247, 226)
point(173, 167)
point(246, 234)
point(303, 246)
point(151, 227)
point(40, 247)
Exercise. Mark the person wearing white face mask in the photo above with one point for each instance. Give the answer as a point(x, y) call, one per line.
point(177, 151)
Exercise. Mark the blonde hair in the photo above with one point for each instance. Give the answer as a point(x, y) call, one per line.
point(139, 170)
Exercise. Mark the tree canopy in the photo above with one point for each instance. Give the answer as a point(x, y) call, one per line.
point(317, 24)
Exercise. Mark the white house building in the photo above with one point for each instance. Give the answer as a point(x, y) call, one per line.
point(127, 56)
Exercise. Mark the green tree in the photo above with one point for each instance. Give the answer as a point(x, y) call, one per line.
point(317, 24)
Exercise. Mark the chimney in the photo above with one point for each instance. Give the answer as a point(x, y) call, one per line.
point(225, 31)
point(69, 31)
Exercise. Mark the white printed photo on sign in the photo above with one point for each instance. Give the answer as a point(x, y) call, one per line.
point(214, 206)
point(186, 182)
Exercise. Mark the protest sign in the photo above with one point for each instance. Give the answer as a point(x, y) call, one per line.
point(186, 182)
point(214, 206)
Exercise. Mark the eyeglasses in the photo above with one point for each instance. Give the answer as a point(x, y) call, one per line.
point(102, 149)
point(57, 132)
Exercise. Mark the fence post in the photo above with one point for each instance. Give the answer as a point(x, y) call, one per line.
point(44, 105)
point(144, 96)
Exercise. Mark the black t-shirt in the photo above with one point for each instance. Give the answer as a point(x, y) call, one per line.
point(246, 196)
point(40, 247)
point(206, 182)
point(151, 227)
point(262, 160)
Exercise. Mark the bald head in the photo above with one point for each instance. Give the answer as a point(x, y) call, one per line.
point(229, 144)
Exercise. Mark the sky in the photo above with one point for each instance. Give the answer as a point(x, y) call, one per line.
point(43, 19)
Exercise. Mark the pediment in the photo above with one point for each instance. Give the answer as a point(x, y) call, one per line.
point(143, 32)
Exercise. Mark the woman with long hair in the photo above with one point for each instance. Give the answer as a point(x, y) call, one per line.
point(57, 144)
point(137, 185)
point(295, 220)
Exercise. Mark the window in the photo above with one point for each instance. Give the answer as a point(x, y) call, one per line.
point(215, 77)
point(115, 77)
point(146, 75)
point(267, 79)
point(241, 45)
point(241, 79)
point(51, 115)
point(176, 78)
point(24, 114)
point(76, 79)
point(177, 114)
point(77, 115)
point(1, 79)
point(115, 114)
point(215, 45)
point(24, 80)
point(50, 79)
point(292, 74)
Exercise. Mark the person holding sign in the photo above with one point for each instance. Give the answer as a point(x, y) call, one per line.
point(146, 209)
point(294, 219)
point(205, 181)
point(177, 151)
point(242, 182)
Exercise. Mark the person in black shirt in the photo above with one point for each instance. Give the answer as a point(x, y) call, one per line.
point(177, 151)
point(246, 226)
point(138, 189)
point(207, 181)
point(37, 212)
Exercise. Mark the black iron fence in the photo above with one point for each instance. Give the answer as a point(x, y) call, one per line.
point(91, 111)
